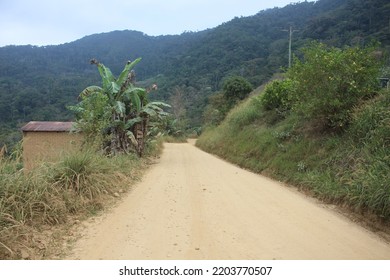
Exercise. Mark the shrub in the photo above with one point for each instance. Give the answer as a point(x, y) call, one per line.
point(277, 95)
point(331, 81)
point(236, 88)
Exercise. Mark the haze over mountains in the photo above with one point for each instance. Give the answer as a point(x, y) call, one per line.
point(36, 83)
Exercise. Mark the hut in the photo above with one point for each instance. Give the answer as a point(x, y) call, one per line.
point(47, 141)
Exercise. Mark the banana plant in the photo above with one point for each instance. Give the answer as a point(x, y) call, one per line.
point(126, 110)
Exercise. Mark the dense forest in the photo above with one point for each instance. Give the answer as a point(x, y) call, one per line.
point(37, 83)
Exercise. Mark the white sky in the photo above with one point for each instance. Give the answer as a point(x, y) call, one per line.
point(51, 22)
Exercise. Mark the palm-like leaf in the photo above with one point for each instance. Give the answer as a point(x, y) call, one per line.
point(90, 91)
point(132, 138)
point(120, 108)
point(77, 109)
point(107, 76)
point(154, 109)
point(149, 111)
point(159, 104)
point(130, 123)
point(129, 66)
point(113, 88)
point(133, 94)
point(105, 73)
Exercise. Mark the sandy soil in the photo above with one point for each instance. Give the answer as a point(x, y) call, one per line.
point(192, 205)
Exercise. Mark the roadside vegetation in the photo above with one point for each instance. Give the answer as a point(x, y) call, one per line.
point(325, 128)
point(118, 118)
point(122, 130)
point(234, 90)
point(35, 207)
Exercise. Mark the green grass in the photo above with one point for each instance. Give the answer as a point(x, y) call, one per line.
point(350, 168)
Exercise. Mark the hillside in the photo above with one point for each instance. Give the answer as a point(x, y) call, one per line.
point(324, 128)
point(36, 83)
point(351, 169)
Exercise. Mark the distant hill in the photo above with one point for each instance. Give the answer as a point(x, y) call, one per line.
point(36, 83)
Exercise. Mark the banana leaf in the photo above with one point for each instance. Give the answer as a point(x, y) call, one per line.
point(132, 138)
point(132, 122)
point(132, 94)
point(90, 91)
point(129, 66)
point(120, 108)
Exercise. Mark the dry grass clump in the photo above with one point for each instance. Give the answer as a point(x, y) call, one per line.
point(79, 184)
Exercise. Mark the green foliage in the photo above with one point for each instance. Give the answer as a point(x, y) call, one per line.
point(235, 89)
point(245, 114)
point(370, 122)
point(216, 109)
point(329, 82)
point(172, 127)
point(116, 116)
point(277, 95)
point(93, 115)
point(219, 104)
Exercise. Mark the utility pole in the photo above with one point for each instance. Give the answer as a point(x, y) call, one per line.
point(291, 31)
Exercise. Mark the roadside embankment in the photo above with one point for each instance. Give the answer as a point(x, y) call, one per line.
point(351, 169)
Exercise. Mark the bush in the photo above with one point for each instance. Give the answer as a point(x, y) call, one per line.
point(331, 81)
point(235, 89)
point(277, 95)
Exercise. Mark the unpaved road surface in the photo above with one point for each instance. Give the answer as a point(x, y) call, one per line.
point(192, 205)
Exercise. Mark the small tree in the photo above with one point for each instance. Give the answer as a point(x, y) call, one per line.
point(329, 82)
point(235, 89)
point(216, 109)
point(277, 95)
point(117, 114)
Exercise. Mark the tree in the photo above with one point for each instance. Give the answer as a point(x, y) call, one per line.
point(216, 109)
point(117, 115)
point(236, 88)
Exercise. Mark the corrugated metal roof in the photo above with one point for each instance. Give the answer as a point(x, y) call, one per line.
point(48, 126)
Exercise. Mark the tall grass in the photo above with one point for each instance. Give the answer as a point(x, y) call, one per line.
point(352, 168)
point(80, 183)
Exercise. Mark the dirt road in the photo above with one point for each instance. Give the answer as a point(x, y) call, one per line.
point(192, 205)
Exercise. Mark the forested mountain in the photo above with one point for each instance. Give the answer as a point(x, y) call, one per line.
point(36, 83)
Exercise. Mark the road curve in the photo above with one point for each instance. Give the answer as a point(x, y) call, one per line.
point(192, 205)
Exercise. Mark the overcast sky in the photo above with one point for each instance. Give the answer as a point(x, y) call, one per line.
point(52, 22)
